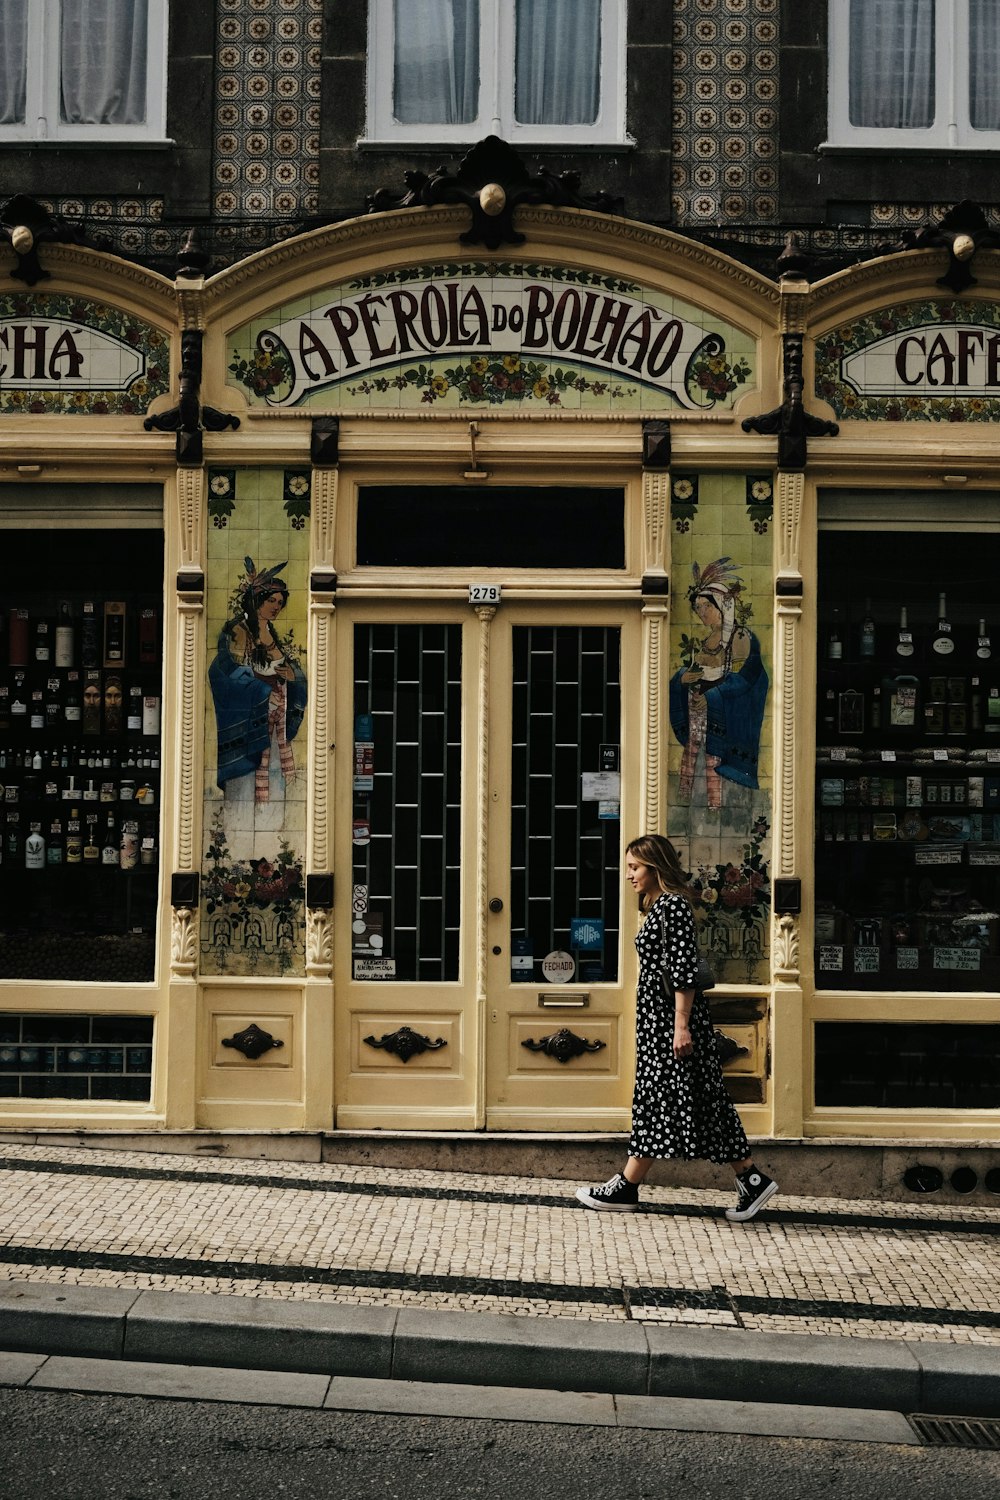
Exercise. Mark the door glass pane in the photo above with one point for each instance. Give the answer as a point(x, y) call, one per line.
point(502, 526)
point(436, 72)
point(565, 856)
point(407, 800)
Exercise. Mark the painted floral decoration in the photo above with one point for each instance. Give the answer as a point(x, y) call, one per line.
point(683, 500)
point(240, 886)
point(493, 380)
point(760, 502)
point(297, 492)
point(710, 376)
point(221, 496)
point(735, 892)
point(266, 370)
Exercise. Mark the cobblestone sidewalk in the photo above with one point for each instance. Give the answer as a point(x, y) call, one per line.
point(381, 1236)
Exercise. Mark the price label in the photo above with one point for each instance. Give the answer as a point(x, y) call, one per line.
point(888, 755)
point(484, 593)
point(993, 756)
point(838, 753)
point(940, 755)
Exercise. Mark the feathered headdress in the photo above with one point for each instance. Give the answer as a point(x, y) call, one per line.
point(719, 580)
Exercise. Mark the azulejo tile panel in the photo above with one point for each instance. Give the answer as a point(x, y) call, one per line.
point(725, 111)
point(68, 354)
point(267, 116)
point(483, 333)
point(929, 361)
point(253, 915)
point(720, 755)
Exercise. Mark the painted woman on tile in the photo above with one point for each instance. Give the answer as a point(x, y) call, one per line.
point(259, 690)
point(717, 698)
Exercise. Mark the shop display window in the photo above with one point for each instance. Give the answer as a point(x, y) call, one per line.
point(80, 700)
point(908, 761)
point(76, 1057)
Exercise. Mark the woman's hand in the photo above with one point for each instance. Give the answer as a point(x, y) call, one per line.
point(683, 1045)
point(692, 675)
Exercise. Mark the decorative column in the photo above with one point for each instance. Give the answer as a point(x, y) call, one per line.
point(655, 637)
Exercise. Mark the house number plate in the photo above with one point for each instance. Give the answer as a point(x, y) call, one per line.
point(484, 593)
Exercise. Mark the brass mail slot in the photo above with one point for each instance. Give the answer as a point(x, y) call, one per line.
point(548, 1001)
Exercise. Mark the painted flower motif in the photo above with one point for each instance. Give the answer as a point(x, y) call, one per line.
point(761, 489)
point(683, 489)
point(511, 362)
point(439, 385)
point(298, 484)
point(479, 366)
point(540, 387)
point(220, 484)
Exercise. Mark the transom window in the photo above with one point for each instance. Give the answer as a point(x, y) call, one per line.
point(522, 69)
point(78, 70)
point(915, 73)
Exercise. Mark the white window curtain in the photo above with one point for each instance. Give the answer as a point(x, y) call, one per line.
point(103, 62)
point(984, 64)
point(436, 67)
point(557, 62)
point(892, 64)
point(13, 60)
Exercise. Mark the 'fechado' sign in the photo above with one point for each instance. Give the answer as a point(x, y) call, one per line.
point(473, 333)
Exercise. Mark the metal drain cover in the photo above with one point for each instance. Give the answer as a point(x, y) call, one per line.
point(957, 1432)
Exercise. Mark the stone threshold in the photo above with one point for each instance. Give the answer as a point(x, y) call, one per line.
point(814, 1166)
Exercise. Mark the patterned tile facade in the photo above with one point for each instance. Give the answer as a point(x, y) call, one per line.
point(267, 111)
point(725, 113)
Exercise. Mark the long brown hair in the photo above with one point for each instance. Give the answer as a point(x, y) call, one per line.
point(659, 854)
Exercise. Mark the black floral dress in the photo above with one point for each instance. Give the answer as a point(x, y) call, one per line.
point(680, 1106)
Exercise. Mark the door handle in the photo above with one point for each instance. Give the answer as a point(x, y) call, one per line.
point(496, 905)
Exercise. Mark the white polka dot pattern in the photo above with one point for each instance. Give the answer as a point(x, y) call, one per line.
point(680, 1107)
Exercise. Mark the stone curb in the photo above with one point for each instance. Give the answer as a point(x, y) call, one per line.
point(460, 1348)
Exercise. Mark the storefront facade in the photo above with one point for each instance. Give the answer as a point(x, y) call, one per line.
point(475, 563)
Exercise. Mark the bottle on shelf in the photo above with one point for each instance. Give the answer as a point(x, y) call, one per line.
point(43, 643)
point(72, 709)
point(36, 717)
point(900, 702)
point(74, 838)
point(984, 648)
point(34, 848)
point(89, 648)
point(943, 643)
point(866, 644)
point(129, 844)
point(54, 843)
point(133, 721)
point(65, 635)
point(17, 637)
point(904, 639)
point(53, 703)
point(835, 644)
point(111, 847)
point(91, 849)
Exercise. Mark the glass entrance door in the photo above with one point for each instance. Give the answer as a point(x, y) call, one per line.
point(479, 979)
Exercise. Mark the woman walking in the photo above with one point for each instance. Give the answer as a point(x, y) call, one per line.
point(680, 1107)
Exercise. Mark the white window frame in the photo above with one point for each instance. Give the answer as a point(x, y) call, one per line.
point(951, 129)
point(496, 85)
point(41, 104)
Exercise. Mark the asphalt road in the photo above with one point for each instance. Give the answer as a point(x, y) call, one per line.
point(59, 1446)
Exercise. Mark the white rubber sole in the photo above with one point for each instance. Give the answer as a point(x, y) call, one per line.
point(742, 1216)
point(583, 1194)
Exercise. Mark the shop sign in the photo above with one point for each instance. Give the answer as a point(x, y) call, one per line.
point(70, 354)
point(479, 334)
point(926, 361)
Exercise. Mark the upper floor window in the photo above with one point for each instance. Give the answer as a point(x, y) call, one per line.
point(80, 70)
point(532, 70)
point(915, 73)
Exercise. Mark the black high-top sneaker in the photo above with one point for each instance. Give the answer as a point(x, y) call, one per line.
point(617, 1195)
point(753, 1189)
